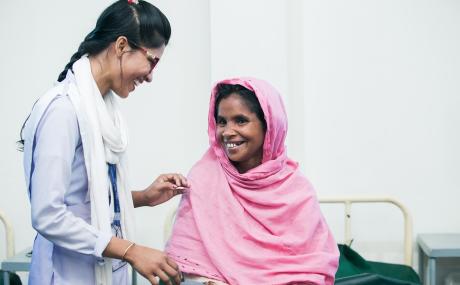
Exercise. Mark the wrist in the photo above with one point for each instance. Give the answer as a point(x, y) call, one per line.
point(126, 254)
point(116, 248)
point(150, 197)
point(132, 255)
point(147, 198)
point(140, 198)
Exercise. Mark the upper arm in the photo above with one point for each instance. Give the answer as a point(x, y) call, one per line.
point(57, 132)
point(56, 139)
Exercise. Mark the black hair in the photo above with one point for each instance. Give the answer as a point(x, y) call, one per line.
point(248, 96)
point(140, 22)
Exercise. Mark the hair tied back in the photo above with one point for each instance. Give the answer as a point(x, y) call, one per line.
point(133, 1)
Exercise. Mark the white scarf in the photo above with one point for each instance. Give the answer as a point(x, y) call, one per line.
point(104, 138)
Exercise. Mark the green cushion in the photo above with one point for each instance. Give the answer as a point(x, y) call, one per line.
point(354, 268)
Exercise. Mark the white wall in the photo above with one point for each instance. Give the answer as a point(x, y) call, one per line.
point(372, 90)
point(381, 105)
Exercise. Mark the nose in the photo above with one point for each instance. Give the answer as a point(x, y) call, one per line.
point(228, 131)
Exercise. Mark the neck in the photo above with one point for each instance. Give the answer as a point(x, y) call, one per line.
point(100, 73)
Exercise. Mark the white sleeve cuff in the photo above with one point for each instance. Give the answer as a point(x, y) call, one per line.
point(101, 243)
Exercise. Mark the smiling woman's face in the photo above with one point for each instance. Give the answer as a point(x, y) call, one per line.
point(240, 133)
point(136, 67)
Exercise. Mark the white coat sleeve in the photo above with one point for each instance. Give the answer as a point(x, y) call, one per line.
point(56, 139)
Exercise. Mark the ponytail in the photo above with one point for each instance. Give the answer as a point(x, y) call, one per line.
point(76, 56)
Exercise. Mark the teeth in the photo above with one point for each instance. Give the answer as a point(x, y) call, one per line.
point(231, 145)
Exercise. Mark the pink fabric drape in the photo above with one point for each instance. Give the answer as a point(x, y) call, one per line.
point(260, 227)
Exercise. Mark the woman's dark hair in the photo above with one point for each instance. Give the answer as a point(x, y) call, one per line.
point(142, 24)
point(248, 96)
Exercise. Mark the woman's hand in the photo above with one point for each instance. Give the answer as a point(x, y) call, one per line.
point(147, 261)
point(161, 190)
point(151, 263)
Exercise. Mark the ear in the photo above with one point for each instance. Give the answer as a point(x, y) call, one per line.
point(121, 46)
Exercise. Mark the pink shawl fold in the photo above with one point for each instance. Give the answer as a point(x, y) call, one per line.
point(260, 227)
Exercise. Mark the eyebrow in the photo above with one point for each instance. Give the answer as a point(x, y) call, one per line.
point(239, 116)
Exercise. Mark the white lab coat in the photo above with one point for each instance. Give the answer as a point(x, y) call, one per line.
point(67, 246)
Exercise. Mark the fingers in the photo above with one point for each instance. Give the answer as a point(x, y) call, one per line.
point(171, 268)
point(179, 180)
point(180, 190)
point(175, 190)
point(166, 273)
point(172, 263)
point(169, 186)
point(152, 280)
point(170, 177)
point(163, 276)
point(175, 178)
point(184, 181)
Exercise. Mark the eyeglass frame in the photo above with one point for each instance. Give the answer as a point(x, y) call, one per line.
point(150, 57)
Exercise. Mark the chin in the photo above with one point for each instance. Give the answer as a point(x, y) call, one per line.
point(234, 159)
point(124, 95)
point(121, 93)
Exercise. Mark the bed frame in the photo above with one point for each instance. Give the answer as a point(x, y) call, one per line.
point(348, 201)
point(9, 235)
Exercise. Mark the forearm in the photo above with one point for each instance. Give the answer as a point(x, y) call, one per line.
point(139, 199)
point(67, 226)
point(116, 248)
point(63, 228)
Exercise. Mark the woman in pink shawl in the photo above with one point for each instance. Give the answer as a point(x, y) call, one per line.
point(250, 217)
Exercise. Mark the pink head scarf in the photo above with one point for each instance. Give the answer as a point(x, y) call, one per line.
point(259, 227)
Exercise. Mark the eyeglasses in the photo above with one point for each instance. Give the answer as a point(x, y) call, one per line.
point(150, 57)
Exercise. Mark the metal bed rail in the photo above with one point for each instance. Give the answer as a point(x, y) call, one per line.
point(348, 201)
point(9, 235)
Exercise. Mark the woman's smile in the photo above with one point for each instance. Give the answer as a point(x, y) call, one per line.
point(233, 145)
